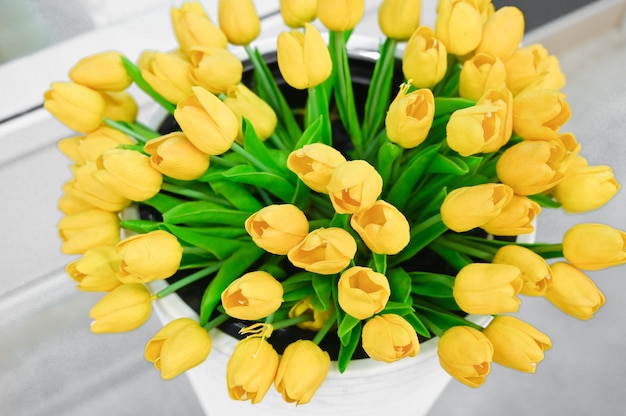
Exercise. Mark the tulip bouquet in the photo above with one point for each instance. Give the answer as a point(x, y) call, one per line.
point(372, 224)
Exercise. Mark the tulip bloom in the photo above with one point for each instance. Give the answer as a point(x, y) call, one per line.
point(389, 338)
point(296, 13)
point(516, 218)
point(536, 273)
point(538, 114)
point(586, 189)
point(125, 308)
point(302, 370)
point(475, 129)
point(382, 227)
point(215, 69)
point(354, 186)
point(324, 251)
point(69, 147)
point(103, 71)
point(502, 33)
point(101, 139)
point(398, 19)
point(466, 354)
point(573, 292)
point(87, 188)
point(473, 206)
point(251, 369)
point(277, 228)
point(69, 203)
point(305, 306)
point(459, 25)
point(340, 15)
point(481, 73)
point(314, 164)
point(516, 344)
point(207, 122)
point(303, 58)
point(255, 295)
point(503, 99)
point(88, 229)
point(594, 246)
point(167, 74)
point(129, 173)
point(178, 346)
point(120, 106)
point(175, 156)
point(239, 21)
point(146, 257)
point(193, 27)
point(363, 292)
point(78, 107)
point(425, 58)
point(245, 103)
point(532, 67)
point(410, 117)
point(96, 270)
point(486, 288)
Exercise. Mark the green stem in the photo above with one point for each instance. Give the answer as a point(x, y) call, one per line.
point(123, 127)
point(216, 322)
point(325, 328)
point(481, 252)
point(135, 74)
point(191, 193)
point(188, 280)
point(293, 321)
point(249, 157)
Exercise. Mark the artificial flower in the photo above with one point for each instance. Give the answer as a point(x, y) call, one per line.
point(324, 251)
point(175, 156)
point(151, 256)
point(102, 71)
point(277, 228)
point(255, 295)
point(459, 25)
point(538, 114)
point(586, 188)
point(475, 129)
point(125, 308)
point(389, 337)
point(517, 217)
point(340, 15)
point(536, 273)
point(86, 187)
point(193, 27)
point(592, 246)
point(78, 107)
point(246, 104)
point(251, 369)
point(382, 227)
point(354, 186)
point(466, 354)
point(70, 146)
point(502, 33)
point(96, 270)
point(362, 292)
point(481, 73)
point(88, 229)
point(101, 139)
point(239, 21)
point(410, 117)
point(398, 19)
point(215, 69)
point(573, 292)
point(167, 73)
point(296, 13)
point(304, 307)
point(425, 61)
point(314, 164)
point(120, 106)
point(533, 67)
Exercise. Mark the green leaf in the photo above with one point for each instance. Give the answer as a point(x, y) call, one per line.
point(440, 320)
point(140, 226)
point(135, 74)
point(400, 284)
point(434, 285)
point(545, 201)
point(257, 148)
point(317, 108)
point(310, 135)
point(275, 184)
point(298, 294)
point(237, 195)
point(397, 308)
point(448, 105)
point(417, 324)
point(380, 262)
point(204, 212)
point(162, 202)
point(387, 155)
point(421, 236)
point(323, 292)
point(346, 351)
point(219, 247)
point(344, 331)
point(448, 165)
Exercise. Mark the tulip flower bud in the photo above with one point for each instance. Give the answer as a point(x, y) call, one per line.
point(69, 203)
point(178, 346)
point(481, 73)
point(167, 74)
point(305, 306)
point(302, 370)
point(536, 273)
point(516, 218)
point(502, 33)
point(175, 156)
point(459, 25)
point(147, 257)
point(466, 354)
point(382, 227)
point(516, 344)
point(354, 186)
point(314, 164)
point(532, 166)
point(425, 58)
point(245, 103)
point(125, 308)
point(398, 19)
point(410, 117)
point(193, 27)
point(573, 292)
point(103, 71)
point(207, 122)
point(129, 173)
point(96, 270)
point(87, 188)
point(239, 20)
point(340, 15)
point(120, 106)
point(324, 251)
point(363, 292)
point(586, 189)
point(503, 99)
point(88, 229)
point(70, 146)
point(253, 296)
point(538, 114)
point(594, 246)
point(251, 369)
point(303, 58)
point(78, 107)
point(101, 139)
point(277, 228)
point(389, 338)
point(215, 69)
point(487, 288)
point(469, 207)
point(296, 13)
point(475, 129)
point(532, 67)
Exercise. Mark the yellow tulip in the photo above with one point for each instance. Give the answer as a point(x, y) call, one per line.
point(302, 370)
point(87, 188)
point(296, 13)
point(503, 99)
point(277, 228)
point(324, 251)
point(78, 107)
point(96, 270)
point(193, 27)
point(459, 25)
point(516, 218)
point(245, 103)
point(481, 73)
point(314, 164)
point(536, 273)
point(146, 257)
point(354, 186)
point(69, 203)
point(516, 344)
point(88, 229)
point(487, 288)
point(180, 345)
point(207, 122)
point(215, 69)
point(340, 15)
point(475, 129)
point(363, 292)
point(255, 295)
point(239, 21)
point(101, 139)
point(425, 58)
point(594, 246)
point(573, 292)
point(410, 117)
point(466, 354)
point(382, 227)
point(70, 146)
point(125, 308)
point(103, 71)
point(469, 207)
point(120, 106)
point(538, 114)
point(587, 188)
point(167, 74)
point(251, 369)
point(389, 338)
point(533, 68)
point(502, 33)
point(175, 156)
point(398, 19)
point(304, 307)
point(303, 58)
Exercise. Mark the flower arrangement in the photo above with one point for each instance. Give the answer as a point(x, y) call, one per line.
point(376, 223)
